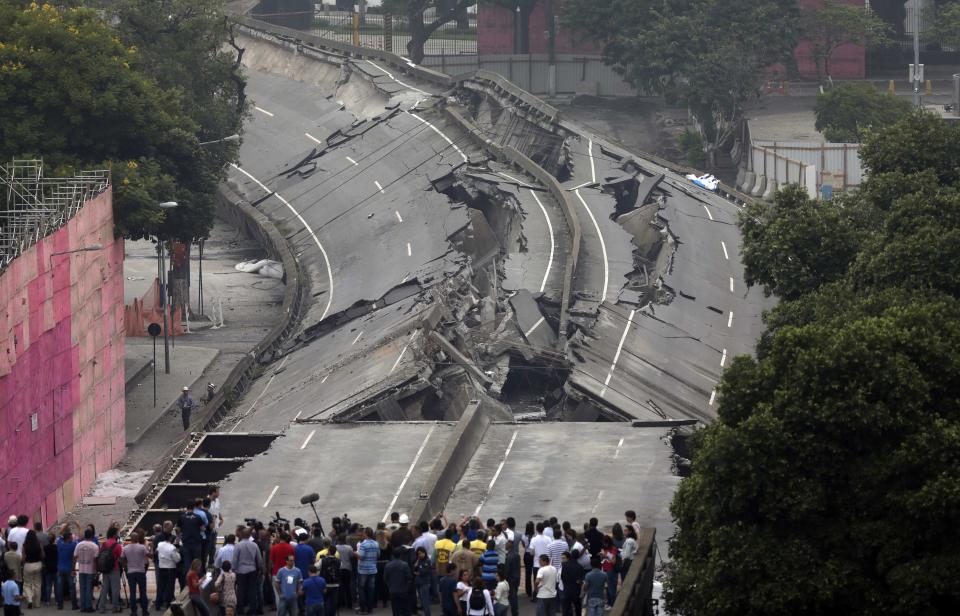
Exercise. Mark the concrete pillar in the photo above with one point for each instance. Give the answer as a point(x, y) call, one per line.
point(771, 189)
point(747, 183)
point(760, 186)
point(740, 173)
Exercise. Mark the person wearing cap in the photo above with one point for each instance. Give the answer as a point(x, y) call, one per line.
point(402, 536)
point(186, 404)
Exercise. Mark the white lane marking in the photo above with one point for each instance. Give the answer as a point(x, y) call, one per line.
point(497, 474)
point(593, 169)
point(397, 80)
point(266, 503)
point(307, 440)
point(527, 333)
point(257, 399)
point(297, 416)
point(352, 161)
point(357, 338)
point(377, 184)
point(324, 379)
point(543, 284)
point(616, 358)
point(439, 132)
point(731, 284)
point(725, 255)
point(603, 247)
point(265, 112)
point(513, 179)
point(616, 454)
point(730, 319)
point(409, 250)
point(323, 251)
point(399, 217)
point(713, 396)
point(312, 138)
point(723, 358)
point(413, 465)
point(580, 186)
point(403, 351)
point(596, 505)
point(707, 210)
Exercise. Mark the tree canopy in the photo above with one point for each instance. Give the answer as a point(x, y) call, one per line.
point(831, 481)
point(81, 94)
point(444, 11)
point(843, 111)
point(686, 49)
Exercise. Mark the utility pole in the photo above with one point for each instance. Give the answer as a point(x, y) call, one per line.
point(917, 77)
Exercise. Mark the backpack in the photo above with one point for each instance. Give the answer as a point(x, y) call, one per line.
point(105, 559)
point(477, 600)
point(330, 569)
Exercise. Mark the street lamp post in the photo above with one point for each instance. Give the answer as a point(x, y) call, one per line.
point(162, 281)
point(233, 137)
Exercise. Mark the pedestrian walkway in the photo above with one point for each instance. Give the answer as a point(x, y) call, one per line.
point(187, 365)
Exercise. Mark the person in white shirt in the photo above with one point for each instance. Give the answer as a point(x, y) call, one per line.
point(502, 594)
point(19, 532)
point(546, 585)
point(225, 553)
point(539, 545)
point(167, 559)
point(476, 606)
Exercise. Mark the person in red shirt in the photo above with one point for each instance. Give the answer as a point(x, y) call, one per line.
point(609, 561)
point(279, 551)
point(193, 586)
point(110, 579)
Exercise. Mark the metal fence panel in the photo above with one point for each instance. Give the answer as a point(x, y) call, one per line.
point(837, 164)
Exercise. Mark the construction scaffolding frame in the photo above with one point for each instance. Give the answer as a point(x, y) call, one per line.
point(34, 206)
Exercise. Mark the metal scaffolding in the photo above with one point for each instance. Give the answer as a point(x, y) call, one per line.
point(34, 206)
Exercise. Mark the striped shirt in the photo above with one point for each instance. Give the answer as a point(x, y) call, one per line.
point(367, 554)
point(555, 550)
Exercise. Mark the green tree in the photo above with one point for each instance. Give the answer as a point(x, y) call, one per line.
point(832, 479)
point(842, 112)
point(710, 54)
point(946, 23)
point(421, 30)
point(830, 482)
point(830, 24)
point(796, 244)
point(73, 94)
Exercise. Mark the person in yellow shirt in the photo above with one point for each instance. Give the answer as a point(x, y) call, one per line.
point(443, 549)
point(479, 545)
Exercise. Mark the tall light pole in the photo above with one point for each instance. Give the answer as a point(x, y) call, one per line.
point(233, 137)
point(916, 52)
point(162, 281)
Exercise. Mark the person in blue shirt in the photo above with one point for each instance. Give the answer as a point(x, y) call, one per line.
point(488, 566)
point(313, 590)
point(11, 596)
point(287, 584)
point(303, 557)
point(448, 586)
point(66, 581)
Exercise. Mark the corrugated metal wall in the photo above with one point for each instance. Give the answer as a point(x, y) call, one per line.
point(575, 73)
point(836, 164)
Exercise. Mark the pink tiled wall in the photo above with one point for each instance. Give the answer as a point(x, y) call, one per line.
point(61, 358)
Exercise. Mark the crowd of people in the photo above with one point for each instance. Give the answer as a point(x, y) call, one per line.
point(466, 568)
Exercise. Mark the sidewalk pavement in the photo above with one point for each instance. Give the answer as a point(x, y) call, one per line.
point(187, 364)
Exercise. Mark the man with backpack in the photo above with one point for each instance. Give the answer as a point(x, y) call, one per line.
point(108, 566)
point(329, 569)
point(398, 577)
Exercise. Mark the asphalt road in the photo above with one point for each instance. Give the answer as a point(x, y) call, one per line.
point(574, 471)
point(660, 360)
